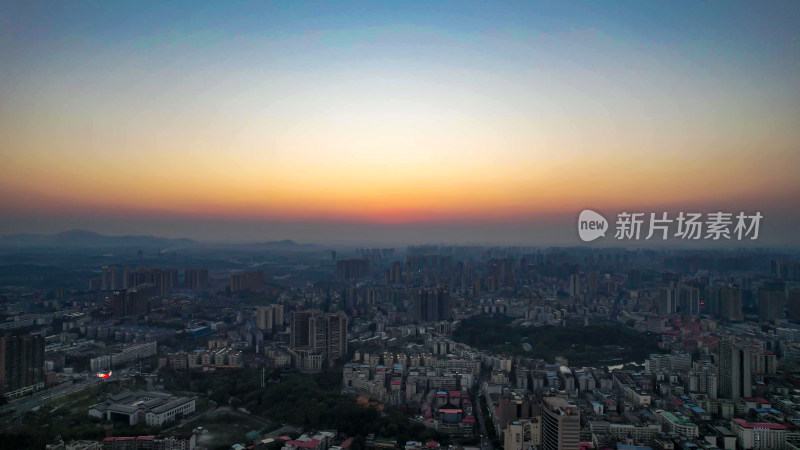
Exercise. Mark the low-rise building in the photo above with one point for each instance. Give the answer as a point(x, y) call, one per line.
point(151, 408)
point(752, 435)
point(678, 423)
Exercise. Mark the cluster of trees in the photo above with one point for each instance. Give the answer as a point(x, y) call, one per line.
point(312, 402)
point(41, 427)
point(595, 344)
point(67, 417)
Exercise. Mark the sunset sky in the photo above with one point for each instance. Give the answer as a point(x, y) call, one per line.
point(459, 122)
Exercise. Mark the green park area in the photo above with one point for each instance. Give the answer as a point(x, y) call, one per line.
point(596, 344)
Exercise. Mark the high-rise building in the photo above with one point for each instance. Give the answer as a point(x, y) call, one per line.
point(575, 288)
point(734, 379)
point(116, 278)
point(319, 333)
point(111, 278)
point(501, 272)
point(347, 269)
point(668, 300)
point(196, 279)
point(105, 278)
point(300, 328)
point(276, 317)
point(513, 406)
point(165, 280)
point(269, 318)
point(262, 322)
point(785, 270)
point(593, 282)
point(21, 364)
point(151, 275)
point(350, 297)
point(561, 424)
point(523, 434)
point(763, 362)
point(431, 305)
point(131, 301)
point(712, 299)
point(771, 302)
point(793, 304)
point(126, 277)
point(329, 335)
point(730, 303)
point(247, 281)
point(396, 273)
point(689, 299)
point(162, 280)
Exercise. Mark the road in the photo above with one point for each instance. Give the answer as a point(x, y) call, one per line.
point(24, 404)
point(486, 443)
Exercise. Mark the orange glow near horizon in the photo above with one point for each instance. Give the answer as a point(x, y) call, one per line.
point(394, 114)
point(399, 193)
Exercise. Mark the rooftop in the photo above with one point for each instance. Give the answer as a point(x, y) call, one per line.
point(761, 425)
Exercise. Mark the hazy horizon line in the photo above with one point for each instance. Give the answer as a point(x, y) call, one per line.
point(354, 243)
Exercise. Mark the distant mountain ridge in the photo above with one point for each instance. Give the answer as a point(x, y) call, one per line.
point(78, 238)
point(85, 238)
point(283, 243)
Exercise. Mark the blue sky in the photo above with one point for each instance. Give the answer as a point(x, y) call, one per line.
point(381, 114)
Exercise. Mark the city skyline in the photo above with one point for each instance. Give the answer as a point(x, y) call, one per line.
point(414, 123)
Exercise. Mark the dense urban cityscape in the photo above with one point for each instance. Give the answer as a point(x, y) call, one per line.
point(283, 345)
point(400, 225)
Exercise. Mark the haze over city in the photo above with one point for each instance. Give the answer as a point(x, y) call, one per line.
point(461, 122)
point(400, 225)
